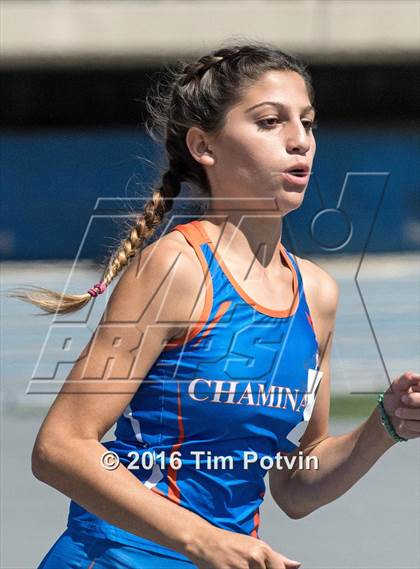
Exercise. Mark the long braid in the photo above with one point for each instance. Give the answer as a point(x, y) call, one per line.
point(145, 226)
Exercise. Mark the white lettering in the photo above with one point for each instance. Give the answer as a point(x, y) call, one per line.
point(293, 400)
point(191, 388)
point(218, 391)
point(250, 457)
point(264, 396)
point(266, 462)
point(248, 395)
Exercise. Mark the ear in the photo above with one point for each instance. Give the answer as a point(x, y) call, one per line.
point(199, 145)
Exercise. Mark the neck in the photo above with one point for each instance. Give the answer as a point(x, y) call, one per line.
point(245, 236)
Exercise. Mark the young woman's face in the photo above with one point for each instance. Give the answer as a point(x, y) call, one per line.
point(259, 141)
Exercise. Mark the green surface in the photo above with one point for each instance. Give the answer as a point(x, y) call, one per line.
point(348, 406)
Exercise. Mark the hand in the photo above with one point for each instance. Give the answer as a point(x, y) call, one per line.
point(407, 424)
point(222, 549)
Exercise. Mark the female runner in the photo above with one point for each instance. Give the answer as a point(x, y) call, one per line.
point(210, 346)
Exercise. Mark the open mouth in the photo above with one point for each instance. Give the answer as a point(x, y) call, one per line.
point(298, 172)
point(298, 176)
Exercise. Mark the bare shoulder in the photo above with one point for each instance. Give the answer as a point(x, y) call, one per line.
point(167, 277)
point(170, 250)
point(172, 253)
point(321, 288)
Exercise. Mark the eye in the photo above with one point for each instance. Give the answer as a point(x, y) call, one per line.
point(268, 124)
point(264, 122)
point(310, 125)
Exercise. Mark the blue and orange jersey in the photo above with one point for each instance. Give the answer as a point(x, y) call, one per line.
point(241, 382)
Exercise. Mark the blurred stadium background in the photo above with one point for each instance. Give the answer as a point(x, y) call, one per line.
point(74, 151)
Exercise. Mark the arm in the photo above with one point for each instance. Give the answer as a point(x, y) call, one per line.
point(343, 459)
point(67, 450)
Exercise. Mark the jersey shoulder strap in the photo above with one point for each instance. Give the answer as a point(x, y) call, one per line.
point(195, 238)
point(192, 233)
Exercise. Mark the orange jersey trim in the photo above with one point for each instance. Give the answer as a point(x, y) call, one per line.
point(221, 311)
point(191, 235)
point(173, 490)
point(268, 311)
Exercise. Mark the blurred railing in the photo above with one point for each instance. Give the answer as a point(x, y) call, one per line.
point(70, 32)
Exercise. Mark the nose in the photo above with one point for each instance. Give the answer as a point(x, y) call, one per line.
point(298, 139)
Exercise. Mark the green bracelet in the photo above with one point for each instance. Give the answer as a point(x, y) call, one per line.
point(386, 422)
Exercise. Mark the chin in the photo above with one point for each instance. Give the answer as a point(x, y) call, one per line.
point(291, 199)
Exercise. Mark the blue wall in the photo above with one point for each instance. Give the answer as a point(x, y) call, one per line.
point(51, 181)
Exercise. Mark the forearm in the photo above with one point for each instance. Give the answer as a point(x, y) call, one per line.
point(342, 461)
point(116, 496)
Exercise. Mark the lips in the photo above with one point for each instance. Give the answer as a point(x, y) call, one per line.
point(297, 174)
point(298, 169)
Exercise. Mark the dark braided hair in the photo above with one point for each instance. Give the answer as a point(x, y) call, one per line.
point(194, 93)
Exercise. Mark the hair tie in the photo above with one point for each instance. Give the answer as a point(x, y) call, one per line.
point(97, 288)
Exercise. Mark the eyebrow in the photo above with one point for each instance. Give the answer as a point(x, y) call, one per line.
point(280, 106)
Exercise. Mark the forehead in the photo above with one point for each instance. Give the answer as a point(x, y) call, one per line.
point(286, 87)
